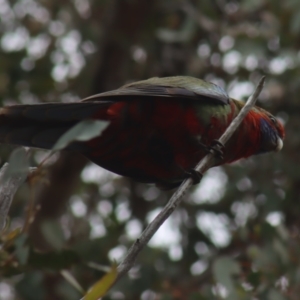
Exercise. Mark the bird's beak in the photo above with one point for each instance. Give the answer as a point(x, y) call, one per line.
point(279, 144)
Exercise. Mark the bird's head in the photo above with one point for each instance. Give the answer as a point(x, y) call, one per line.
point(272, 132)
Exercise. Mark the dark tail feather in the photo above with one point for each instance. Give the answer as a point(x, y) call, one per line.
point(41, 125)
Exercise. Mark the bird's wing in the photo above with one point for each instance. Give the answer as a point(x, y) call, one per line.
point(178, 86)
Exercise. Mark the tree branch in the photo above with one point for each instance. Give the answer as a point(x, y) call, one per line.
point(177, 197)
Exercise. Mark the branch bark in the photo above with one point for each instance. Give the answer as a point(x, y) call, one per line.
point(177, 197)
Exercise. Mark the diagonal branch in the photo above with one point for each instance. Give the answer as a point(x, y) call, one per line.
point(177, 197)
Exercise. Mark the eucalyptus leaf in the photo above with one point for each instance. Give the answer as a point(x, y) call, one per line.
point(22, 250)
point(295, 22)
point(83, 131)
point(18, 163)
point(275, 295)
point(101, 287)
point(223, 269)
point(53, 234)
point(22, 255)
point(281, 250)
point(72, 280)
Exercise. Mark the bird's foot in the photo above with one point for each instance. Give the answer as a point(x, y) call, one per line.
point(195, 175)
point(217, 148)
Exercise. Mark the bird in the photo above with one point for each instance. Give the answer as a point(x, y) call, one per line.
point(159, 128)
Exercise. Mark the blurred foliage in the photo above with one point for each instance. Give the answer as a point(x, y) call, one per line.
point(237, 235)
point(100, 288)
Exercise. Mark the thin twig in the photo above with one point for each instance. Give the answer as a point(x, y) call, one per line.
point(177, 197)
point(203, 21)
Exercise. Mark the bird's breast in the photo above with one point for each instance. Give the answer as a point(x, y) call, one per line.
point(149, 139)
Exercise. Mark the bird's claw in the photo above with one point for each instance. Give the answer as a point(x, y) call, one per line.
point(217, 148)
point(195, 175)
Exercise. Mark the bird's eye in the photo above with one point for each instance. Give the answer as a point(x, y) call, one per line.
point(273, 120)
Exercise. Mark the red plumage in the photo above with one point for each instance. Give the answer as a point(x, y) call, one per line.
point(159, 128)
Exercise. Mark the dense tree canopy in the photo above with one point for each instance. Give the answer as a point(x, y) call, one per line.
point(236, 236)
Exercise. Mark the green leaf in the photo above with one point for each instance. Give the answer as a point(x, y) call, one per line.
point(18, 163)
point(72, 280)
point(22, 250)
point(22, 255)
point(275, 295)
point(53, 234)
point(183, 35)
point(223, 269)
point(100, 288)
point(283, 232)
point(281, 250)
point(83, 131)
point(295, 22)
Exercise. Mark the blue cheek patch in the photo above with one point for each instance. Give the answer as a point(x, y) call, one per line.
point(268, 136)
point(267, 130)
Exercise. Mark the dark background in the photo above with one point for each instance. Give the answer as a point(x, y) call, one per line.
point(236, 236)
